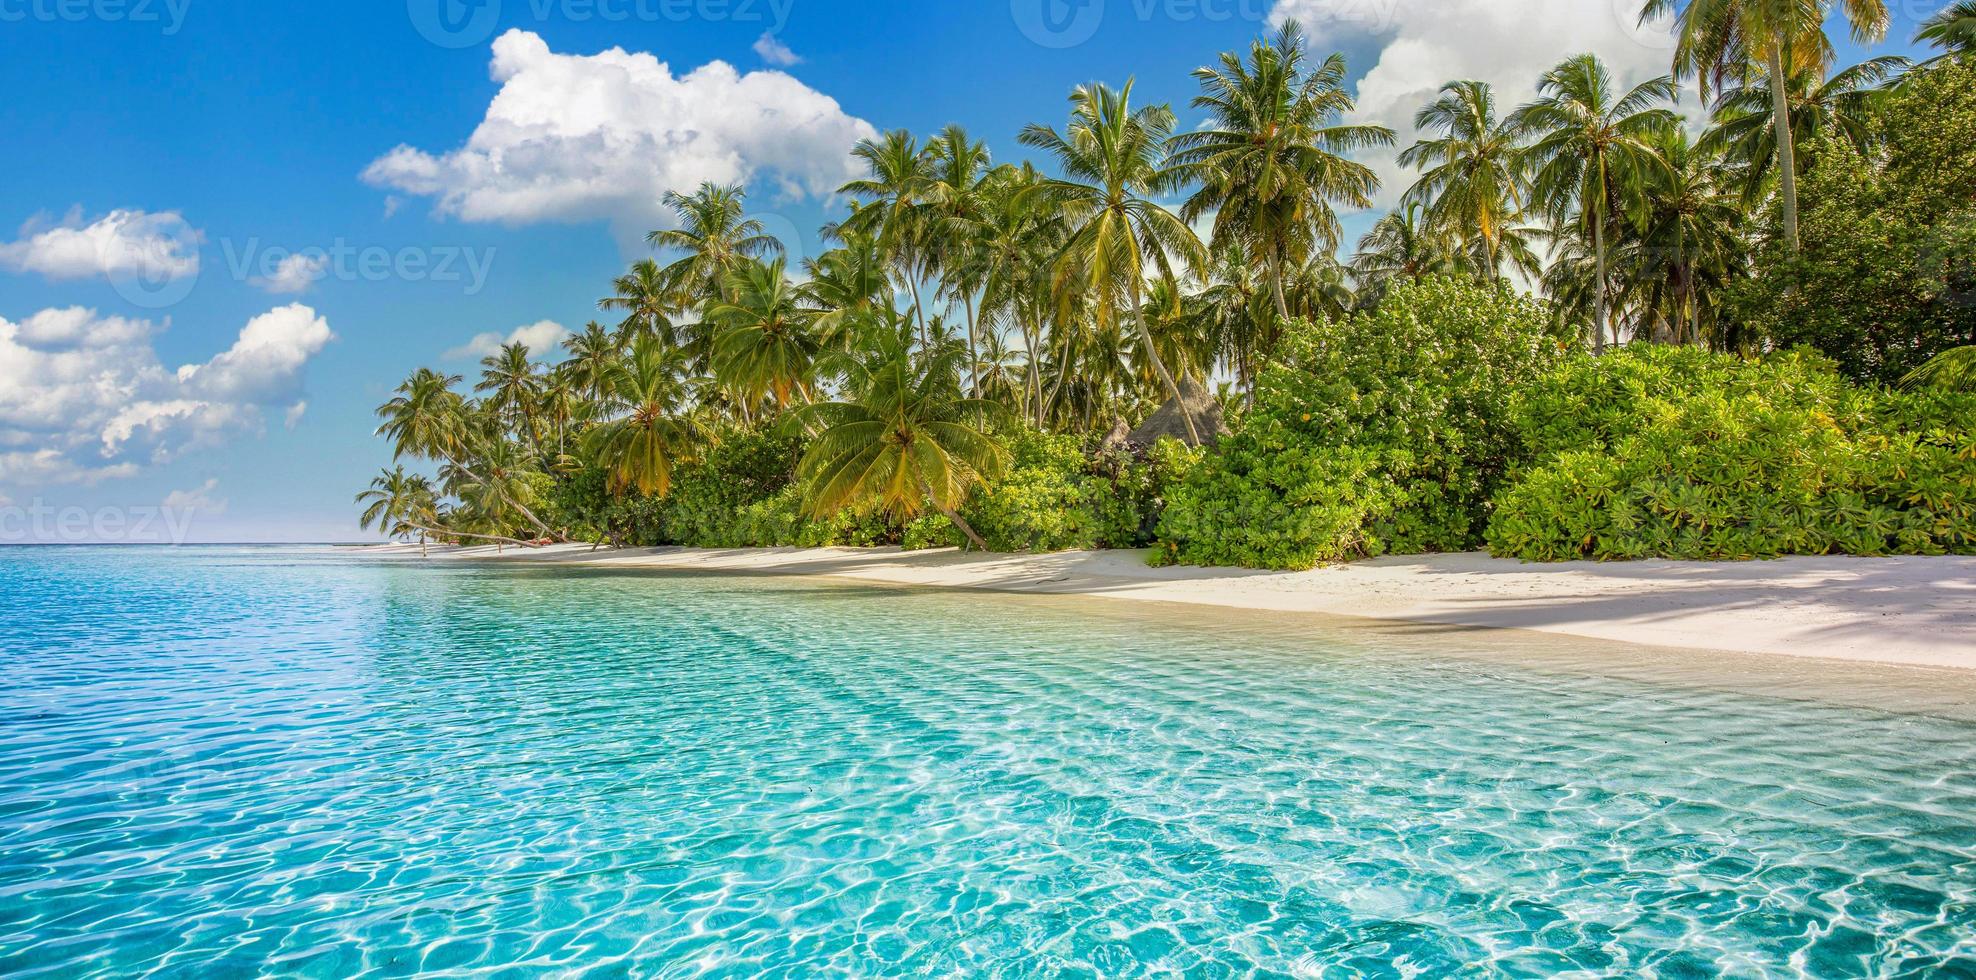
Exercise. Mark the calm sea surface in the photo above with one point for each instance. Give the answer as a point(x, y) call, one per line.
point(299, 762)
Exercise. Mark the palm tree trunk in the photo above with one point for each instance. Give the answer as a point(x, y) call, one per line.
point(1599, 304)
point(517, 505)
point(499, 541)
point(1787, 151)
point(919, 308)
point(1159, 368)
point(1276, 285)
point(1035, 386)
point(422, 552)
point(953, 516)
point(973, 350)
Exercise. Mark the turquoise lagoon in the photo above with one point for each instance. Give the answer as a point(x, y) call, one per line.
point(296, 762)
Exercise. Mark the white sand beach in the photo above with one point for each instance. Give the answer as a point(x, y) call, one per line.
point(1914, 611)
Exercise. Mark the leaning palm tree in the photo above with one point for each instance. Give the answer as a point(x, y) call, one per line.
point(647, 297)
point(767, 344)
point(642, 448)
point(426, 418)
point(402, 505)
point(1115, 163)
point(1593, 153)
point(906, 443)
point(716, 235)
point(1473, 172)
point(1274, 155)
point(1743, 130)
point(1778, 39)
point(1952, 29)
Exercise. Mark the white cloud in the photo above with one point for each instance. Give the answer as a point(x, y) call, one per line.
point(85, 398)
point(293, 416)
point(603, 137)
point(540, 337)
point(1507, 43)
point(199, 500)
point(122, 243)
point(295, 274)
point(771, 49)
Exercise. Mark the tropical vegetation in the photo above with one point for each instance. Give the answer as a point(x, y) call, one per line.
point(1592, 326)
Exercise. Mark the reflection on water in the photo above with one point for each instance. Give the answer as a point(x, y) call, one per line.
point(224, 761)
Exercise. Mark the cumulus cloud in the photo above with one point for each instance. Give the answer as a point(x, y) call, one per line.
point(538, 337)
point(771, 49)
point(603, 137)
point(1507, 43)
point(295, 274)
point(159, 247)
point(84, 398)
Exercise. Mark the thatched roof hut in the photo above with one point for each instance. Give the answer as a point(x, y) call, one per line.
point(1198, 403)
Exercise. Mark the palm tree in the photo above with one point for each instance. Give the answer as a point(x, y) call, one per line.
point(427, 418)
point(716, 236)
point(1019, 232)
point(401, 504)
point(513, 385)
point(957, 205)
point(1114, 160)
point(767, 345)
point(906, 444)
point(1275, 156)
point(848, 286)
point(1744, 132)
point(641, 449)
point(1951, 370)
point(1953, 29)
point(1691, 239)
point(591, 355)
point(1401, 245)
point(1593, 153)
point(1474, 170)
point(647, 297)
point(1779, 39)
point(890, 205)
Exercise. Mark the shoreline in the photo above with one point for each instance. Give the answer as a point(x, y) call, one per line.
point(1912, 611)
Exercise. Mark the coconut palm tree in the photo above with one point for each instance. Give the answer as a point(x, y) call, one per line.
point(1274, 155)
point(426, 418)
point(906, 443)
point(1721, 40)
point(1473, 172)
point(647, 297)
point(591, 355)
point(890, 206)
point(1018, 234)
point(767, 344)
point(1951, 370)
point(513, 385)
point(402, 505)
point(640, 449)
point(1115, 164)
point(1401, 245)
point(848, 286)
point(716, 235)
point(1690, 243)
point(1952, 29)
point(1743, 131)
point(957, 206)
point(1593, 152)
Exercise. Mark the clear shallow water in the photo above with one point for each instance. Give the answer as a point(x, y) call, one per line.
point(233, 762)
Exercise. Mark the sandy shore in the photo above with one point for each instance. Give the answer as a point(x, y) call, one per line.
point(1918, 611)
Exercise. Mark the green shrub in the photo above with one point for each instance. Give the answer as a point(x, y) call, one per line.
point(1385, 432)
point(1651, 452)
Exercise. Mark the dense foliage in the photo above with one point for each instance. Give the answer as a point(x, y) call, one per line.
point(1380, 432)
point(1886, 278)
point(959, 364)
point(1679, 453)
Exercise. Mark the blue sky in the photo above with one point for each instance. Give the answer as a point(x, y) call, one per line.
point(166, 156)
